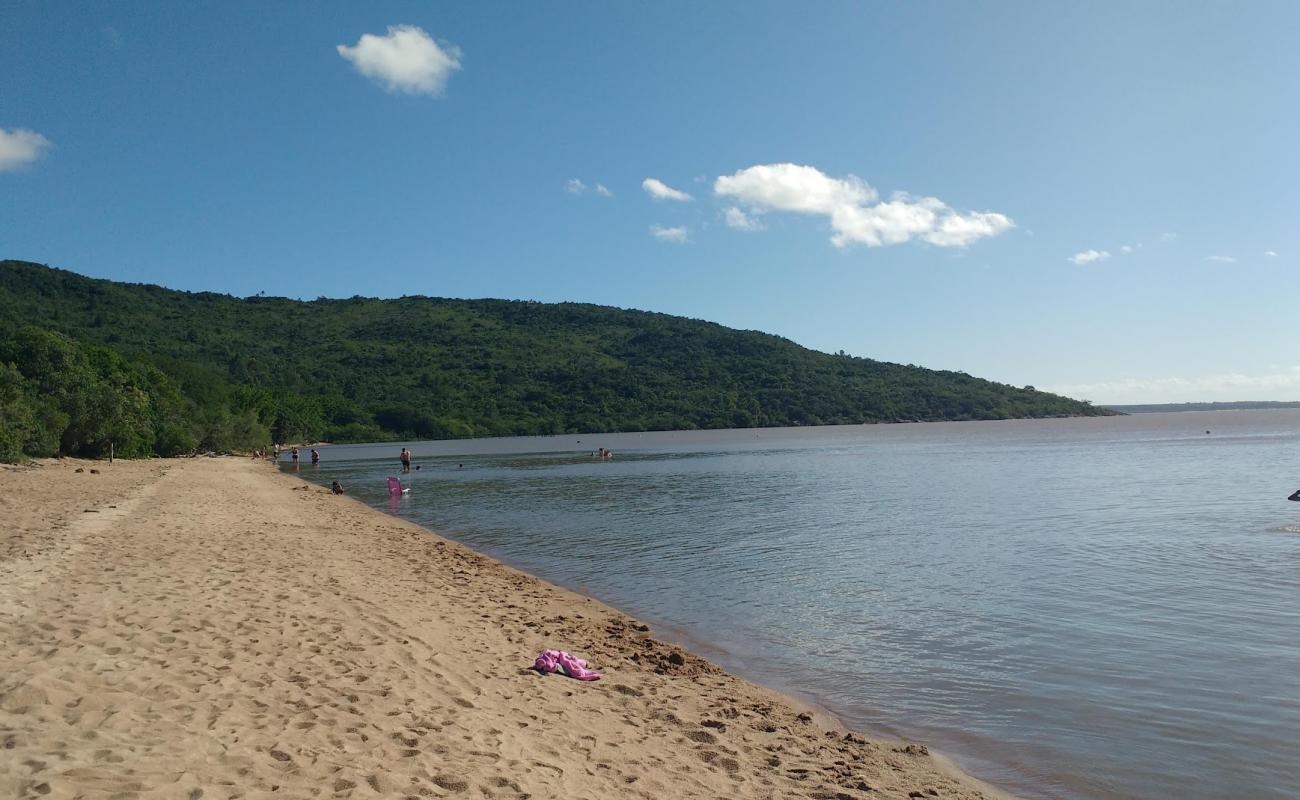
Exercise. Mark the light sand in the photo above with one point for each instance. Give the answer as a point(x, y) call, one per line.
point(214, 629)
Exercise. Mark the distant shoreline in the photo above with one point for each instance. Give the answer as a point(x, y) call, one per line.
point(1241, 405)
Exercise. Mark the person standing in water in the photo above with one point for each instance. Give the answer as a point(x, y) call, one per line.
point(315, 457)
point(406, 460)
point(294, 455)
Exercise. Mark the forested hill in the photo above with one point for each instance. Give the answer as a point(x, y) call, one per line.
point(240, 371)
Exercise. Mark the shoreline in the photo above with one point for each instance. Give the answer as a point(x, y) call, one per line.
point(682, 638)
point(214, 628)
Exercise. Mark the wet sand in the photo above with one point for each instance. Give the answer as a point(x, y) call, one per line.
point(211, 628)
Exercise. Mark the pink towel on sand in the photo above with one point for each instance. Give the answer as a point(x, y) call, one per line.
point(565, 664)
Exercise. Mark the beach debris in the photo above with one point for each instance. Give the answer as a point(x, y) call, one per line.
point(94, 472)
point(913, 750)
point(566, 664)
point(79, 469)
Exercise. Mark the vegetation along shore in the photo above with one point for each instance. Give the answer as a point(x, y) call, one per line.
point(85, 363)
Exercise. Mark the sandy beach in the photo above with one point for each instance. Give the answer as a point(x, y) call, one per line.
point(211, 628)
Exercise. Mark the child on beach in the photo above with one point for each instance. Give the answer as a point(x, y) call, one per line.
point(336, 487)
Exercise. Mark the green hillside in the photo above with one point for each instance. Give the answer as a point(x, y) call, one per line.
point(238, 371)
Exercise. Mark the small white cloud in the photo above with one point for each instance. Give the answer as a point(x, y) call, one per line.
point(1088, 256)
point(853, 208)
point(1271, 253)
point(576, 186)
point(406, 60)
point(741, 221)
point(20, 147)
point(676, 235)
point(1168, 237)
point(1125, 249)
point(1222, 259)
point(662, 191)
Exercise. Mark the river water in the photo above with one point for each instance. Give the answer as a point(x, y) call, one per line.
point(1079, 608)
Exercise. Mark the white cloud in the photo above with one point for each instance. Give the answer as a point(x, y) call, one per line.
point(740, 220)
point(852, 206)
point(676, 235)
point(1222, 259)
point(406, 60)
point(1125, 249)
point(662, 191)
point(1270, 253)
point(1088, 256)
point(20, 147)
point(1283, 384)
point(1168, 237)
point(576, 186)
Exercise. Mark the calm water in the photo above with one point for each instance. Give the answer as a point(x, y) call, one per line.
point(1070, 608)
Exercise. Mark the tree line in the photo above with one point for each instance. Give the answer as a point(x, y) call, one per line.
point(86, 362)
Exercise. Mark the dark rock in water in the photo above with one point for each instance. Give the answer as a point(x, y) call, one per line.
point(643, 628)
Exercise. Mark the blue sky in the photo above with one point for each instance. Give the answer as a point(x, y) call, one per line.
point(1097, 198)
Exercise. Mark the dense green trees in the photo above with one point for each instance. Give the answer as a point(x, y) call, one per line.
point(61, 396)
point(155, 370)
